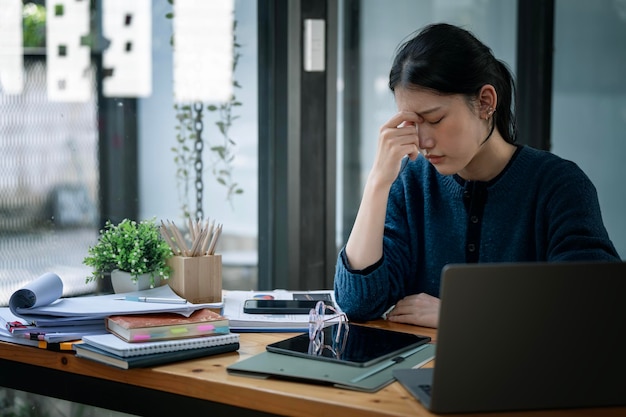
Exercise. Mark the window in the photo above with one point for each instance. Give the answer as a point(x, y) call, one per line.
point(589, 100)
point(68, 166)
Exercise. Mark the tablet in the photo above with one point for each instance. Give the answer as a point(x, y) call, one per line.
point(359, 346)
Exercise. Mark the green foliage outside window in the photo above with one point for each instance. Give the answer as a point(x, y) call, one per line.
point(34, 25)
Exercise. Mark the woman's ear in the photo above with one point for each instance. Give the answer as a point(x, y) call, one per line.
point(488, 101)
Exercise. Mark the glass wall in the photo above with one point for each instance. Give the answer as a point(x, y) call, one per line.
point(51, 147)
point(48, 162)
point(589, 100)
point(157, 118)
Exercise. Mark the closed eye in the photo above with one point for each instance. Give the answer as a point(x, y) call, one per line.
point(436, 122)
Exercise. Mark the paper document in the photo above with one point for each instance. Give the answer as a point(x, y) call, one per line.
point(20, 327)
point(17, 330)
point(39, 303)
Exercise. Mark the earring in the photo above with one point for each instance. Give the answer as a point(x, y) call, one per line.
point(490, 111)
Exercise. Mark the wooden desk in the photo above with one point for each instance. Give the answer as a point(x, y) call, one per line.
point(203, 387)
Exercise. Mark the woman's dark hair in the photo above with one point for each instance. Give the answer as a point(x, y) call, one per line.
point(450, 60)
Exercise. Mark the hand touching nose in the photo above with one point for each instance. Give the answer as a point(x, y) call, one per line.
point(398, 137)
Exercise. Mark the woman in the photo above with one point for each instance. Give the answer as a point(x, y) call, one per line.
point(449, 185)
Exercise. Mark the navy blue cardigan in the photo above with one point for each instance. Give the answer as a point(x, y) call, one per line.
point(540, 208)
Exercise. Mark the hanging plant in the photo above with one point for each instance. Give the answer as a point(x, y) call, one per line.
point(222, 149)
point(184, 154)
point(223, 165)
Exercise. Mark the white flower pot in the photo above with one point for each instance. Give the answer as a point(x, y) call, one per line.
point(122, 281)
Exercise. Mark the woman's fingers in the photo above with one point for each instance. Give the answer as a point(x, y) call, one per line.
point(398, 137)
point(419, 309)
point(402, 118)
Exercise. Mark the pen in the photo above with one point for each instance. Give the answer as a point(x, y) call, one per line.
point(384, 316)
point(154, 300)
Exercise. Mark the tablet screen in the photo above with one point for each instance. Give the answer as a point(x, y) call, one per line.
point(359, 346)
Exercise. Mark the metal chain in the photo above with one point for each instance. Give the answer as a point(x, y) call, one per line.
point(198, 146)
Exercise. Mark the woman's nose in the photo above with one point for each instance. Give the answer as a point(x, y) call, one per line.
point(425, 141)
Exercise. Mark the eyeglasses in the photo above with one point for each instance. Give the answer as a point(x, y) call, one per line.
point(317, 320)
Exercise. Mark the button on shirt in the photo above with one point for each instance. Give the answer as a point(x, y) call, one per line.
point(474, 199)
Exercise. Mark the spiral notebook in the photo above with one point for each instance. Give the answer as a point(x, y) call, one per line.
point(84, 350)
point(113, 344)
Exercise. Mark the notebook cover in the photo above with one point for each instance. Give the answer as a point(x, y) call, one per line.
point(91, 352)
point(166, 326)
point(113, 344)
point(368, 379)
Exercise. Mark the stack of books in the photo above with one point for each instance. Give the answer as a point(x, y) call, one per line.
point(142, 340)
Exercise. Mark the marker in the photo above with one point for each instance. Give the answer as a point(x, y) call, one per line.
point(154, 300)
point(33, 336)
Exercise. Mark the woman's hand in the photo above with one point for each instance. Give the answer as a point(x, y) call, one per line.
point(418, 309)
point(397, 138)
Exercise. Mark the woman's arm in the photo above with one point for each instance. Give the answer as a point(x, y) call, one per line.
point(365, 283)
point(575, 229)
point(398, 137)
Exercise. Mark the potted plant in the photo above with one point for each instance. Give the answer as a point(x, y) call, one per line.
point(133, 252)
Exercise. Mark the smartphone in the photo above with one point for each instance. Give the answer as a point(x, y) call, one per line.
point(279, 306)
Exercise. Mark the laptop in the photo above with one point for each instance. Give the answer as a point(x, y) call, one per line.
point(525, 336)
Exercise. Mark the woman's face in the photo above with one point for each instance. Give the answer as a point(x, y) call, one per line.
point(450, 132)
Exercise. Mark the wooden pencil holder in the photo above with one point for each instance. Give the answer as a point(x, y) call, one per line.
point(198, 279)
